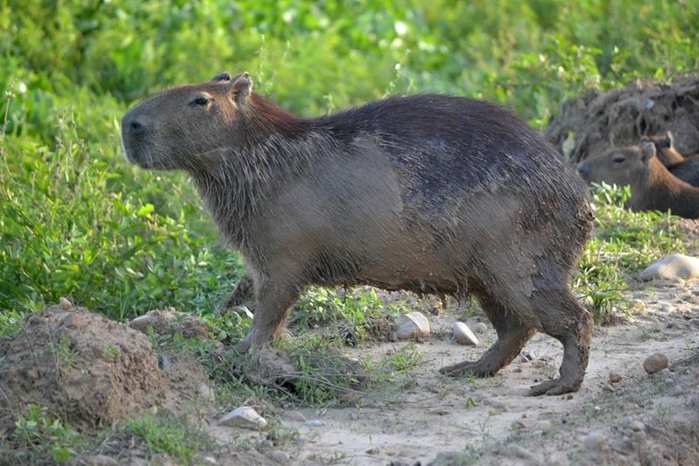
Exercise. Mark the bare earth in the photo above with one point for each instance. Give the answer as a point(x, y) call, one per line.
point(492, 421)
point(425, 419)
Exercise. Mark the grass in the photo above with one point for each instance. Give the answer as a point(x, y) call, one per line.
point(77, 221)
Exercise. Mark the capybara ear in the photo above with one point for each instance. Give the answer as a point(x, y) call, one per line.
point(647, 151)
point(225, 76)
point(241, 88)
point(670, 138)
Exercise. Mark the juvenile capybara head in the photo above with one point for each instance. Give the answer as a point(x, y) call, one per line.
point(665, 148)
point(184, 126)
point(620, 166)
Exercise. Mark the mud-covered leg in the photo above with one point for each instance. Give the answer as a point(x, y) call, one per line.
point(275, 297)
point(571, 324)
point(512, 336)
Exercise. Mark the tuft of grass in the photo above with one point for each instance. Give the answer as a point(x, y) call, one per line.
point(45, 436)
point(170, 435)
point(623, 244)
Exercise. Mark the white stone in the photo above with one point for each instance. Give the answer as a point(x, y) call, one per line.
point(244, 417)
point(411, 325)
point(463, 335)
point(141, 323)
point(206, 392)
point(673, 267)
point(480, 327)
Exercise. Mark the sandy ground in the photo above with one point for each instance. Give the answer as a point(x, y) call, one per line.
point(639, 419)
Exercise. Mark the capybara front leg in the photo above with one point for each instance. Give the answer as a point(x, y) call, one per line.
point(271, 315)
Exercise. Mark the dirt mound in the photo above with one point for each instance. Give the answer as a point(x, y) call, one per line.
point(594, 123)
point(84, 368)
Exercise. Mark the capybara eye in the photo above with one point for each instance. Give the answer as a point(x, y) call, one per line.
point(202, 100)
point(618, 159)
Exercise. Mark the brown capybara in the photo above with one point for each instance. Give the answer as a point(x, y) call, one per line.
point(683, 167)
point(429, 193)
point(653, 187)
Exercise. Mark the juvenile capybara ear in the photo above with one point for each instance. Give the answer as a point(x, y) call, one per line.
point(647, 151)
point(225, 76)
point(241, 88)
point(670, 138)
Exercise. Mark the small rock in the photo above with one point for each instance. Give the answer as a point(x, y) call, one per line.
point(206, 392)
point(635, 425)
point(525, 356)
point(655, 363)
point(313, 423)
point(244, 417)
point(608, 387)
point(614, 377)
point(672, 267)
point(294, 416)
point(480, 327)
point(463, 335)
point(100, 460)
point(594, 440)
point(209, 460)
point(411, 325)
point(164, 363)
point(141, 323)
point(73, 321)
point(279, 457)
point(64, 303)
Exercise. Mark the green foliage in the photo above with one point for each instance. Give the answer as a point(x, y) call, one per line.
point(76, 220)
point(623, 244)
point(45, 435)
point(167, 434)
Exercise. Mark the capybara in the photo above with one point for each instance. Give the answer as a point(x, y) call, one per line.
point(427, 193)
point(684, 167)
point(653, 187)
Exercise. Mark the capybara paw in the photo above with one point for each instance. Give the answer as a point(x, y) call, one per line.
point(464, 368)
point(553, 387)
point(244, 345)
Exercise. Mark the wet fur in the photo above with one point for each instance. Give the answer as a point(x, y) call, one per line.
point(428, 193)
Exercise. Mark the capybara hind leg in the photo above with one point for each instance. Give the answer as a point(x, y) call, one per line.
point(571, 324)
point(512, 336)
point(271, 315)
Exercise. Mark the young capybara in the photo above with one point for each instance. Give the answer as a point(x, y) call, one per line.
point(429, 193)
point(683, 167)
point(653, 187)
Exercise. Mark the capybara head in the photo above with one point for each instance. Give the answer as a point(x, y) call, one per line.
point(620, 166)
point(186, 125)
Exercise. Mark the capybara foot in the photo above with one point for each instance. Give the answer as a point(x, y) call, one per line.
point(555, 387)
point(466, 367)
point(245, 344)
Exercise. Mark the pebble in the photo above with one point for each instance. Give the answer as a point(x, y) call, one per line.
point(525, 356)
point(209, 460)
point(313, 423)
point(141, 323)
point(64, 303)
point(279, 457)
point(480, 327)
point(101, 460)
point(164, 363)
point(614, 377)
point(411, 325)
point(672, 267)
point(294, 416)
point(206, 392)
point(244, 417)
point(594, 440)
point(655, 363)
point(463, 335)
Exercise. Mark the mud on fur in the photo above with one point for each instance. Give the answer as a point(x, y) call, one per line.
point(426, 193)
